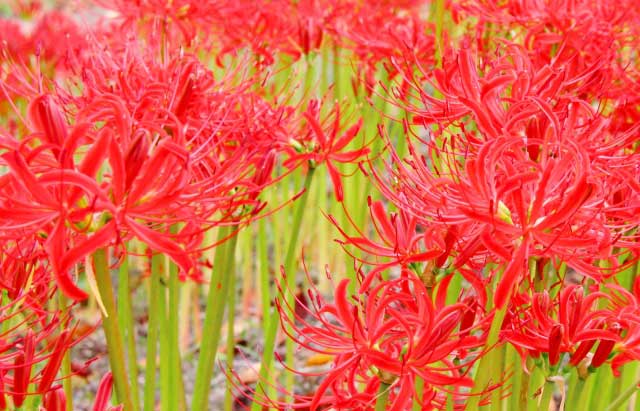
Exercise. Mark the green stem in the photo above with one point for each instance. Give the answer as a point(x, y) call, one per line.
point(111, 328)
point(125, 314)
point(66, 362)
point(214, 314)
point(167, 391)
point(572, 386)
point(439, 23)
point(309, 78)
point(289, 269)
point(629, 375)
point(523, 393)
point(228, 397)
point(584, 399)
point(600, 397)
point(265, 287)
point(513, 360)
point(535, 389)
point(575, 393)
point(623, 397)
point(290, 272)
point(383, 397)
point(152, 333)
point(498, 368)
point(419, 390)
point(486, 367)
point(337, 77)
point(547, 394)
point(178, 401)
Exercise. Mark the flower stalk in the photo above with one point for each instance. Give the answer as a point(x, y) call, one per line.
point(219, 288)
point(110, 323)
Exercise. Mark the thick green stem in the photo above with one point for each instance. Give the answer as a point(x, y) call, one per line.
point(523, 393)
point(265, 296)
point(513, 360)
point(623, 397)
point(152, 333)
point(167, 391)
point(231, 314)
point(547, 394)
point(214, 315)
point(383, 397)
point(178, 400)
point(486, 367)
point(601, 396)
point(290, 271)
point(337, 76)
point(498, 371)
point(535, 390)
point(419, 390)
point(574, 384)
point(125, 314)
point(115, 345)
point(438, 14)
point(66, 362)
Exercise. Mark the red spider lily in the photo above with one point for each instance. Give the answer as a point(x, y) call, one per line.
point(186, 16)
point(12, 37)
point(175, 149)
point(625, 307)
point(311, 25)
point(265, 26)
point(589, 36)
point(530, 181)
point(570, 323)
point(320, 144)
point(378, 35)
point(261, 26)
point(392, 333)
point(269, 27)
point(402, 245)
point(61, 46)
point(34, 356)
point(104, 394)
point(511, 206)
point(513, 97)
point(36, 203)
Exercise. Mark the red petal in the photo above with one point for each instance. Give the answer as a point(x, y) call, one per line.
point(25, 177)
point(99, 239)
point(336, 180)
point(161, 243)
point(104, 393)
point(510, 277)
point(55, 248)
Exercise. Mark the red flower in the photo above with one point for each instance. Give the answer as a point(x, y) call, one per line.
point(143, 153)
point(319, 143)
point(530, 179)
point(392, 333)
point(12, 38)
point(401, 245)
point(570, 323)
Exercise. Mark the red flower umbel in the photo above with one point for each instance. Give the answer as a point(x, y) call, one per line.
point(391, 333)
point(526, 172)
point(320, 142)
point(569, 323)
